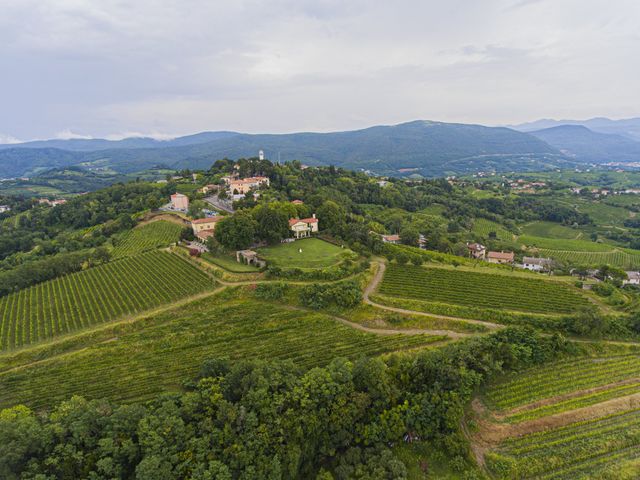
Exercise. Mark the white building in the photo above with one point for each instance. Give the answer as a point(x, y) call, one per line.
point(5, 208)
point(303, 227)
point(536, 264)
point(633, 278)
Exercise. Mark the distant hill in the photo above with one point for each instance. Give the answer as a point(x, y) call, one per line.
point(420, 147)
point(586, 145)
point(93, 144)
point(629, 128)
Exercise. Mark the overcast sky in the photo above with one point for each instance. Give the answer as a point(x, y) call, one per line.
point(114, 68)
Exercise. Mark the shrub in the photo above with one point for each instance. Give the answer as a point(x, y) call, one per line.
point(271, 291)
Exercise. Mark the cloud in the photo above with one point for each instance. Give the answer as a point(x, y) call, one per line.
point(102, 68)
point(67, 134)
point(8, 139)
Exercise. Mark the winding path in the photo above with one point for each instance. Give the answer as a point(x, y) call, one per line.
point(377, 278)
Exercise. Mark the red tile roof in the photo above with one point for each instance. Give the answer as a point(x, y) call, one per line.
point(501, 255)
point(293, 221)
point(391, 238)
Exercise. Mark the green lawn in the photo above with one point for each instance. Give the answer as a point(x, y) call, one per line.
point(315, 254)
point(228, 262)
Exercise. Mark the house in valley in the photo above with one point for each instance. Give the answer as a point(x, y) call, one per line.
point(394, 239)
point(203, 227)
point(477, 251)
point(633, 278)
point(303, 227)
point(500, 257)
point(179, 201)
point(537, 264)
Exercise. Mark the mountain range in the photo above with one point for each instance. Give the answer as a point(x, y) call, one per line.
point(420, 147)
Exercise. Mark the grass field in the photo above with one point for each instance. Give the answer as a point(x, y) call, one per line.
point(483, 290)
point(551, 230)
point(316, 253)
point(135, 361)
point(147, 237)
point(483, 227)
point(97, 295)
point(228, 263)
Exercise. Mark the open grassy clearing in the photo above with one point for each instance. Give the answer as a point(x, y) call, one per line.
point(482, 226)
point(164, 350)
point(146, 237)
point(228, 262)
point(97, 295)
point(551, 230)
point(480, 290)
point(315, 253)
point(606, 447)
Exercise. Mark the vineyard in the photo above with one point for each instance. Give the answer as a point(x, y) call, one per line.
point(134, 361)
point(482, 290)
point(561, 378)
point(622, 258)
point(606, 447)
point(93, 296)
point(147, 237)
point(551, 230)
point(483, 227)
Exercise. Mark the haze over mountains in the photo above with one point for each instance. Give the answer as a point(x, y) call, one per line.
point(420, 147)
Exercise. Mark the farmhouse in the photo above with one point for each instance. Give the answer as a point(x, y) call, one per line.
point(208, 188)
point(303, 227)
point(536, 264)
point(477, 250)
point(395, 239)
point(179, 201)
point(202, 224)
point(243, 185)
point(633, 278)
point(500, 257)
point(4, 208)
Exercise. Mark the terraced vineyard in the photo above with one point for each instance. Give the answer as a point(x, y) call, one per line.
point(623, 258)
point(483, 290)
point(608, 445)
point(147, 237)
point(103, 293)
point(134, 361)
point(595, 379)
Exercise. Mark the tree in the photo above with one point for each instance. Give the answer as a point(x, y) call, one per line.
point(272, 225)
point(331, 217)
point(409, 236)
point(237, 231)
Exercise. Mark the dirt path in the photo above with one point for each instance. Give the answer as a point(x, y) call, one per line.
point(375, 282)
point(491, 433)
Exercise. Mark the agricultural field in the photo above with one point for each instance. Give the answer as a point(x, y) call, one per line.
point(551, 230)
point(164, 350)
point(482, 227)
point(315, 253)
point(96, 295)
point(572, 419)
point(564, 244)
point(146, 237)
point(623, 258)
point(482, 290)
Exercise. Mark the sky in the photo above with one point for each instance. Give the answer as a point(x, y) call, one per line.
point(110, 68)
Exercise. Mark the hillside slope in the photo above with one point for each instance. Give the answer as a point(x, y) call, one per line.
point(424, 147)
point(589, 146)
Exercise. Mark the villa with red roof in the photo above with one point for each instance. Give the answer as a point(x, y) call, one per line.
point(303, 227)
point(204, 227)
